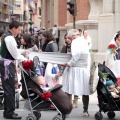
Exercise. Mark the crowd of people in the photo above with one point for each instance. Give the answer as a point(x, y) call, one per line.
point(15, 47)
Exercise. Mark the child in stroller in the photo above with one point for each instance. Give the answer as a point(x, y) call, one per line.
point(108, 101)
point(40, 79)
point(113, 88)
point(32, 92)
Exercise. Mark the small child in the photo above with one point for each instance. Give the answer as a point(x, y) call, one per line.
point(115, 91)
point(40, 79)
point(52, 75)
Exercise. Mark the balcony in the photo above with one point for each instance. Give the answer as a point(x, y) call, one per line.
point(4, 1)
point(35, 1)
point(24, 17)
point(4, 17)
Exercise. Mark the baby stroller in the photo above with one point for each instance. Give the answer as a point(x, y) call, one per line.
point(31, 91)
point(106, 102)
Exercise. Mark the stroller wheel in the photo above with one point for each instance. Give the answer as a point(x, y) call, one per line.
point(111, 114)
point(98, 116)
point(63, 116)
point(37, 114)
point(57, 118)
point(17, 100)
point(31, 117)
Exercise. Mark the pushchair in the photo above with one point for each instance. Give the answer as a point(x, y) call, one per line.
point(106, 102)
point(31, 91)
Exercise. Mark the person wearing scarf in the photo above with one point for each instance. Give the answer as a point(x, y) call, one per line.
point(113, 57)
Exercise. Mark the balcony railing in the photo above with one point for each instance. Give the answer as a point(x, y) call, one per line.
point(4, 17)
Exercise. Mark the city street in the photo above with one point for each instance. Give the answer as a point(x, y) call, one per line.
point(40, 38)
point(75, 114)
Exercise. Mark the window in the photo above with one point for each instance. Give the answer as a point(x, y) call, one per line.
point(17, 4)
point(39, 11)
point(25, 1)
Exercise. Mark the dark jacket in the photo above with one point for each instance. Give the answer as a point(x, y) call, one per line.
point(51, 47)
point(18, 41)
point(66, 49)
point(118, 55)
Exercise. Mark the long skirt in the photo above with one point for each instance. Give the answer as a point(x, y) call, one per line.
point(76, 81)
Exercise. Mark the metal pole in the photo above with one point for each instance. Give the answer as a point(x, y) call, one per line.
point(74, 16)
point(31, 25)
point(74, 22)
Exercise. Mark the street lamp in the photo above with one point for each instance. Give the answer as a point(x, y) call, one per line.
point(30, 22)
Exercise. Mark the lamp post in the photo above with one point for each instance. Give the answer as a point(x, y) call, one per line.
point(30, 22)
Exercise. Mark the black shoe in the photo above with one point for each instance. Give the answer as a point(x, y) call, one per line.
point(6, 115)
point(14, 116)
point(1, 107)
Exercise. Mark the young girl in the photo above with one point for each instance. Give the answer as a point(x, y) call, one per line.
point(52, 75)
point(28, 44)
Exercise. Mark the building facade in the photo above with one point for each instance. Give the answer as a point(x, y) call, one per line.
point(99, 17)
point(35, 17)
point(19, 10)
point(55, 12)
point(37, 14)
point(5, 6)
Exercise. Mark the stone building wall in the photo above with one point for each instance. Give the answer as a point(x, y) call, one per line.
point(101, 18)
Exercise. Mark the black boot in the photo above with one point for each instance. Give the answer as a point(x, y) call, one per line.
point(85, 99)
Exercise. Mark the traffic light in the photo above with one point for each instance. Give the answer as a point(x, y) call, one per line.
point(72, 8)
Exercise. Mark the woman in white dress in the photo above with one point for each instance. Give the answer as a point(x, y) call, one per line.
point(87, 39)
point(76, 75)
point(113, 58)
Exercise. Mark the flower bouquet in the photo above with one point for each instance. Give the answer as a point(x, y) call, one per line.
point(27, 64)
point(112, 47)
point(46, 95)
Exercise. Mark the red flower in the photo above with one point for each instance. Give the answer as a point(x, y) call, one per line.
point(46, 95)
point(62, 65)
point(111, 46)
point(27, 64)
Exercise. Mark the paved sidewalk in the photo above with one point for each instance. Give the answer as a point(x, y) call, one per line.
point(76, 113)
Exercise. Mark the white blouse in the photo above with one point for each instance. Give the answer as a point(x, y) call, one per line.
point(12, 48)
